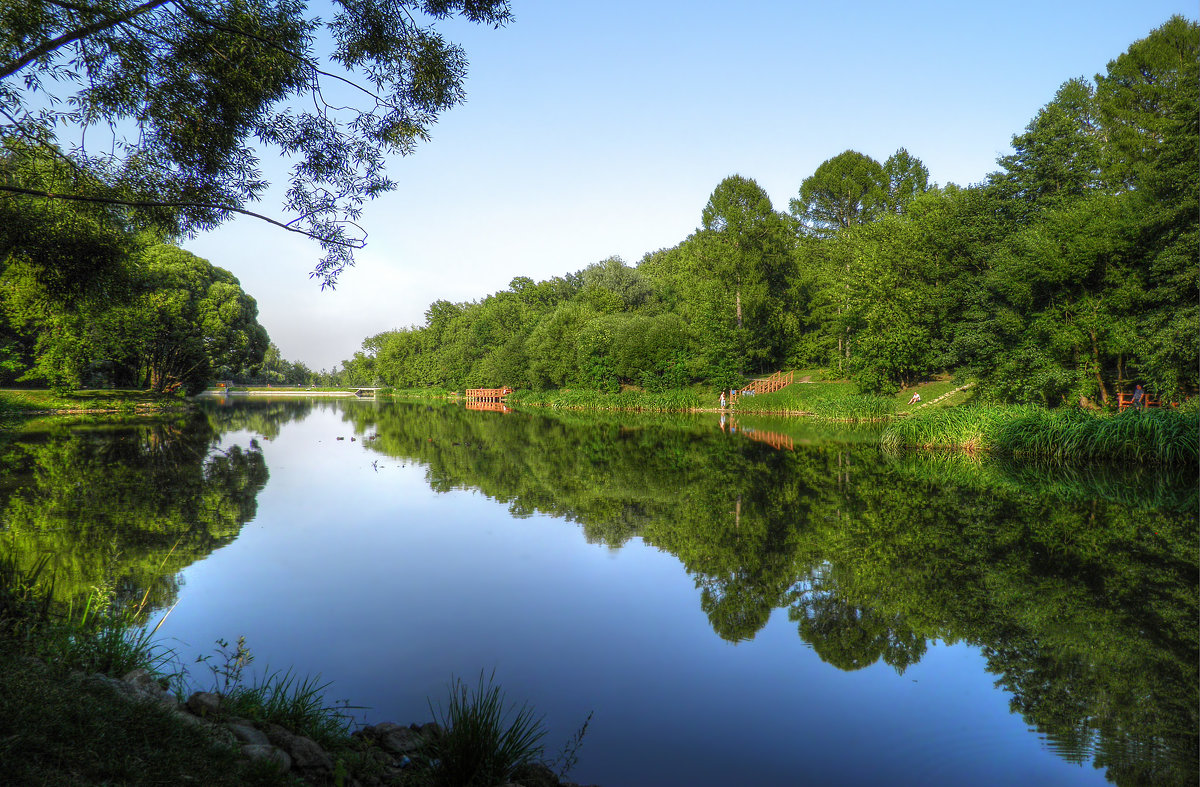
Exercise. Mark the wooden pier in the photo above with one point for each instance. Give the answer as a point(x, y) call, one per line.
point(486, 394)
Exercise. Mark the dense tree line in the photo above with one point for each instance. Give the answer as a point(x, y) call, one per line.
point(1066, 275)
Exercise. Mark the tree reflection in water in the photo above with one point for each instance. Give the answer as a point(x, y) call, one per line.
point(1078, 585)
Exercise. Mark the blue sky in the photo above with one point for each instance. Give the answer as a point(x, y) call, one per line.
point(599, 129)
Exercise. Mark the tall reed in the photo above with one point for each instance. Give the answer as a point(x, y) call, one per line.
point(1157, 436)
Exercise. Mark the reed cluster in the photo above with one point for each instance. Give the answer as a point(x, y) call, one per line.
point(855, 407)
point(1163, 436)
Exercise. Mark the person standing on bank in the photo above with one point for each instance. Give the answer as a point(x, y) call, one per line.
point(1139, 398)
point(722, 399)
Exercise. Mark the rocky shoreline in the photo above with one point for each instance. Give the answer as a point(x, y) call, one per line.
point(387, 749)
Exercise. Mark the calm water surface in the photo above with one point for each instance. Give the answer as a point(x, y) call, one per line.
point(755, 603)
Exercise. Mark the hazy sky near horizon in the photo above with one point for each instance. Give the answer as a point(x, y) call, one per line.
point(599, 129)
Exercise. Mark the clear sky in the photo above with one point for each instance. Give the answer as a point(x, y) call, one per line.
point(594, 129)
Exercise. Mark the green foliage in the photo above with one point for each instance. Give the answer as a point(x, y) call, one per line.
point(166, 320)
point(847, 189)
point(483, 740)
point(1062, 280)
point(855, 408)
point(185, 99)
point(658, 401)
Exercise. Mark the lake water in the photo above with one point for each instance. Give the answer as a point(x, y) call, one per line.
point(755, 602)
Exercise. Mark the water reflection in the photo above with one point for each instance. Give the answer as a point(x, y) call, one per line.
point(124, 507)
point(1079, 585)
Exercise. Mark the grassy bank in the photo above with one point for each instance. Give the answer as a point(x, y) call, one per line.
point(1161, 436)
point(840, 400)
point(572, 399)
point(19, 402)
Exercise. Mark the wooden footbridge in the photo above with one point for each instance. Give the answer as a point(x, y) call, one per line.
point(765, 385)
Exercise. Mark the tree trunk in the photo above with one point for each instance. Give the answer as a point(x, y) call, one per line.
point(1096, 361)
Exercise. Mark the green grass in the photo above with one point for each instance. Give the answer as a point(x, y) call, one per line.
point(294, 702)
point(484, 740)
point(840, 400)
point(681, 399)
point(18, 401)
point(57, 728)
point(1161, 436)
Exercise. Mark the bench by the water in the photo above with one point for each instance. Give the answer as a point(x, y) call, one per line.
point(1125, 400)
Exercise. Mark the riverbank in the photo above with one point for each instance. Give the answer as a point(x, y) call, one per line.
point(90, 698)
point(19, 403)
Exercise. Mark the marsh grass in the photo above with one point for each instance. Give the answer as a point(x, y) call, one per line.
point(856, 407)
point(1162, 436)
point(483, 740)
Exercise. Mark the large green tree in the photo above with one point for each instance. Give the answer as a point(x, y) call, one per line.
point(164, 107)
point(167, 320)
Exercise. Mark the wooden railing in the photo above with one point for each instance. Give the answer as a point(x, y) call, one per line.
point(766, 385)
point(487, 394)
point(1126, 400)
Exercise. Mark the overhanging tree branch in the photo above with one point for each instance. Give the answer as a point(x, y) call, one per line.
point(99, 26)
point(350, 244)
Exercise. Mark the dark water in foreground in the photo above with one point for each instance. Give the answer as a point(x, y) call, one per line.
point(774, 605)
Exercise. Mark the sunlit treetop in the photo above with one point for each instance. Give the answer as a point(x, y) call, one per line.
point(165, 108)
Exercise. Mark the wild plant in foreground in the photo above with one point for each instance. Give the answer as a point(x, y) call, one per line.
point(483, 740)
point(283, 698)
